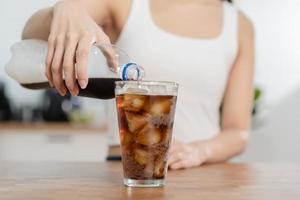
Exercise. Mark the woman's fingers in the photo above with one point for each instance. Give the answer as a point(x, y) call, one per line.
point(181, 164)
point(103, 41)
point(175, 157)
point(179, 159)
point(51, 50)
point(175, 145)
point(64, 51)
point(50, 53)
point(82, 56)
point(56, 67)
point(173, 148)
point(69, 64)
point(110, 55)
point(105, 45)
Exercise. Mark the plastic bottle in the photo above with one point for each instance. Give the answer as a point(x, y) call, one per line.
point(106, 65)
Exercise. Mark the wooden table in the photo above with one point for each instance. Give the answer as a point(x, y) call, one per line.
point(71, 181)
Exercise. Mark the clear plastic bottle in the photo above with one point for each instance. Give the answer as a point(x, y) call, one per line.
point(107, 64)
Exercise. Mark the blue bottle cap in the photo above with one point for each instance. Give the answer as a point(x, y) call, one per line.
point(126, 69)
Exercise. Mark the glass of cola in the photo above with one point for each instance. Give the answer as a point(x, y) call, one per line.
point(146, 112)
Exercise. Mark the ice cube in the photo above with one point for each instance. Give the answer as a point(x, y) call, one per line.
point(126, 139)
point(166, 139)
point(148, 136)
point(141, 156)
point(122, 135)
point(149, 169)
point(136, 121)
point(133, 102)
point(159, 169)
point(161, 107)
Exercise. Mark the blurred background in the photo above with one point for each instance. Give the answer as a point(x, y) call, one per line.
point(29, 131)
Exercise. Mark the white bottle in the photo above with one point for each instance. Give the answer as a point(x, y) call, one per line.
point(27, 67)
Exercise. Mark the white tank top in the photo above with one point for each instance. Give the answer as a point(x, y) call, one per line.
point(200, 67)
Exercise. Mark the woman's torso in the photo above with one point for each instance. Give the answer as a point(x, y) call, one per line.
point(199, 60)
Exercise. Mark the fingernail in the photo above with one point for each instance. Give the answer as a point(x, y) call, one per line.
point(82, 84)
point(51, 84)
point(62, 93)
point(74, 93)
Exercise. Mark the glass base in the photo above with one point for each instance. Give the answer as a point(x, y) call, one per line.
point(144, 183)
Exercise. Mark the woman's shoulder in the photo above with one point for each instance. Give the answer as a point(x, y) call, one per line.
point(244, 23)
point(246, 27)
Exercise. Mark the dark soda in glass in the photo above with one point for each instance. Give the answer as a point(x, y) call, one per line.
point(145, 124)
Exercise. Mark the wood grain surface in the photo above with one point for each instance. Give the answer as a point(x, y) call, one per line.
point(70, 181)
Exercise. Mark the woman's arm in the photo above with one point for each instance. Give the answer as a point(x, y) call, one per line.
point(237, 105)
point(236, 113)
point(39, 24)
point(70, 26)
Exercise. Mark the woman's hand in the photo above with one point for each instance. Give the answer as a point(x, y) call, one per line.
point(188, 155)
point(72, 33)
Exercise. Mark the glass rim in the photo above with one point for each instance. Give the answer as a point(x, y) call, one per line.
point(148, 82)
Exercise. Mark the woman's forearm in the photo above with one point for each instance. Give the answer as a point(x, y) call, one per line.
point(226, 145)
point(38, 26)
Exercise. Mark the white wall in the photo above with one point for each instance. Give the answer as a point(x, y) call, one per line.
point(277, 24)
point(277, 139)
point(276, 132)
point(13, 16)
